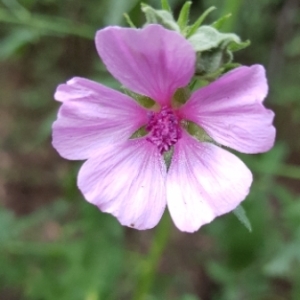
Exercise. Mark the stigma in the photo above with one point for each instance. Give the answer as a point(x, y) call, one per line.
point(164, 129)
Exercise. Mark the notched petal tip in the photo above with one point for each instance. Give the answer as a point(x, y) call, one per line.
point(204, 181)
point(61, 93)
point(127, 181)
point(231, 110)
point(93, 116)
point(151, 61)
point(258, 74)
point(74, 88)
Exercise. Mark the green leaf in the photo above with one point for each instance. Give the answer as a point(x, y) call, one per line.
point(49, 25)
point(218, 24)
point(192, 29)
point(17, 9)
point(240, 213)
point(207, 38)
point(165, 5)
point(210, 62)
point(234, 46)
point(214, 50)
point(6, 225)
point(184, 15)
point(128, 20)
point(17, 39)
point(162, 17)
point(283, 262)
point(230, 66)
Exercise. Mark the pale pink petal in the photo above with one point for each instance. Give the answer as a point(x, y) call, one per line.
point(91, 117)
point(203, 182)
point(127, 181)
point(152, 61)
point(230, 110)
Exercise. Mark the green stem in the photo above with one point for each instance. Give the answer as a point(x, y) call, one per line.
point(149, 266)
point(49, 24)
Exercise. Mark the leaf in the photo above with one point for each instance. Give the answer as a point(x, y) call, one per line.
point(282, 263)
point(6, 225)
point(212, 63)
point(17, 40)
point(193, 28)
point(184, 15)
point(207, 38)
point(162, 17)
point(240, 213)
point(165, 5)
point(47, 25)
point(116, 9)
point(233, 46)
point(128, 20)
point(218, 24)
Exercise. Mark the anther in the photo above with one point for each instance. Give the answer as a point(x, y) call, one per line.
point(164, 129)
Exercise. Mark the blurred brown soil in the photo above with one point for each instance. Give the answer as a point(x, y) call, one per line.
point(29, 170)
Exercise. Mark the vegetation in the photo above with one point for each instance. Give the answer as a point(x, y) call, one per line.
point(54, 245)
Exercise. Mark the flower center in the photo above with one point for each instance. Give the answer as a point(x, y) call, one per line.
point(164, 130)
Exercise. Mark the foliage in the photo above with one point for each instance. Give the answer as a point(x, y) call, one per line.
point(53, 245)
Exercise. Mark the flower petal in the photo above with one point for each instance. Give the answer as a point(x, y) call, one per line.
point(230, 110)
point(93, 116)
point(127, 181)
point(203, 182)
point(152, 61)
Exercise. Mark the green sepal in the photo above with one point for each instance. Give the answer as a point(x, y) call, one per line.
point(139, 133)
point(198, 132)
point(207, 38)
point(190, 30)
point(141, 99)
point(206, 78)
point(233, 46)
point(214, 50)
point(162, 17)
point(181, 96)
point(184, 15)
point(219, 23)
point(165, 5)
point(168, 157)
point(240, 213)
point(230, 66)
point(197, 83)
point(128, 20)
point(209, 63)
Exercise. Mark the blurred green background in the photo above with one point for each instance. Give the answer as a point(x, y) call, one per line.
point(54, 245)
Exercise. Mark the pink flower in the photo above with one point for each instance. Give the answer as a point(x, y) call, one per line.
point(128, 177)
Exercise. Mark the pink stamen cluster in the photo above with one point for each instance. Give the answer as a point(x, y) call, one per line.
point(164, 129)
